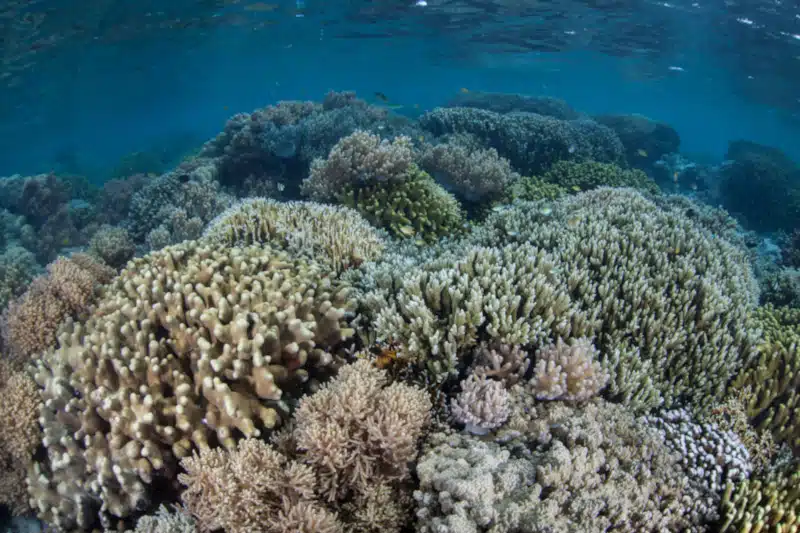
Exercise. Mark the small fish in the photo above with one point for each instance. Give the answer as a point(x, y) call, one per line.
point(421, 3)
point(546, 210)
point(571, 149)
point(576, 188)
point(421, 138)
point(416, 106)
point(464, 90)
point(675, 177)
point(677, 250)
point(573, 222)
point(642, 153)
point(225, 107)
point(406, 230)
point(420, 242)
point(394, 106)
point(281, 187)
point(382, 97)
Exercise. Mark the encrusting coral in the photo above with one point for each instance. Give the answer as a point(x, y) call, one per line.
point(338, 236)
point(190, 347)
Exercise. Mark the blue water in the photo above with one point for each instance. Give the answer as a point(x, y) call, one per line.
point(98, 99)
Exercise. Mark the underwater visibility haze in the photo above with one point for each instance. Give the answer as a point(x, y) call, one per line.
point(429, 266)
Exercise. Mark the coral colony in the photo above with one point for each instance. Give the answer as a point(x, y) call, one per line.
point(332, 318)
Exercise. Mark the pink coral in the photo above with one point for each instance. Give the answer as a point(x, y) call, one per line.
point(568, 372)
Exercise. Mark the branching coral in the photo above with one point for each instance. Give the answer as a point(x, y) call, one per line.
point(335, 235)
point(359, 431)
point(253, 488)
point(30, 323)
point(672, 301)
point(529, 141)
point(590, 174)
point(478, 175)
point(341, 467)
point(568, 372)
point(510, 295)
point(112, 245)
point(19, 409)
point(416, 207)
point(766, 504)
point(360, 158)
point(481, 405)
point(772, 380)
point(190, 347)
point(591, 469)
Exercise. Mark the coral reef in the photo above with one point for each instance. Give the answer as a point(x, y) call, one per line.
point(592, 469)
point(190, 347)
point(360, 158)
point(416, 207)
point(761, 184)
point(476, 175)
point(645, 140)
point(583, 176)
point(568, 372)
point(19, 409)
point(670, 301)
point(507, 103)
point(337, 236)
point(29, 323)
point(342, 465)
point(529, 141)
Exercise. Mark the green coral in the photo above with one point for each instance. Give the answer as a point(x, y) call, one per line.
point(774, 376)
point(588, 175)
point(768, 504)
point(413, 207)
point(532, 188)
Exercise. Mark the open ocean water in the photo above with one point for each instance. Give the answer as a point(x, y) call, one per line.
point(435, 266)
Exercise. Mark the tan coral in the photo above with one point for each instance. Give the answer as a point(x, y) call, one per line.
point(336, 235)
point(568, 371)
point(191, 347)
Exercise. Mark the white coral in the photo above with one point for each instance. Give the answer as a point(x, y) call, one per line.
point(482, 404)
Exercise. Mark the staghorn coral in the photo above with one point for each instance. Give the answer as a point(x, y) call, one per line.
point(360, 158)
point(589, 469)
point(588, 175)
point(482, 404)
point(358, 431)
point(444, 308)
point(416, 207)
point(30, 323)
point(772, 380)
point(112, 245)
point(335, 235)
point(478, 175)
point(766, 504)
point(568, 371)
point(253, 487)
point(190, 347)
point(671, 301)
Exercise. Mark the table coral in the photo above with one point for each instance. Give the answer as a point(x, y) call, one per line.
point(191, 347)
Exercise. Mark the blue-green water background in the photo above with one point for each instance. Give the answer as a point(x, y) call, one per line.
point(98, 83)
